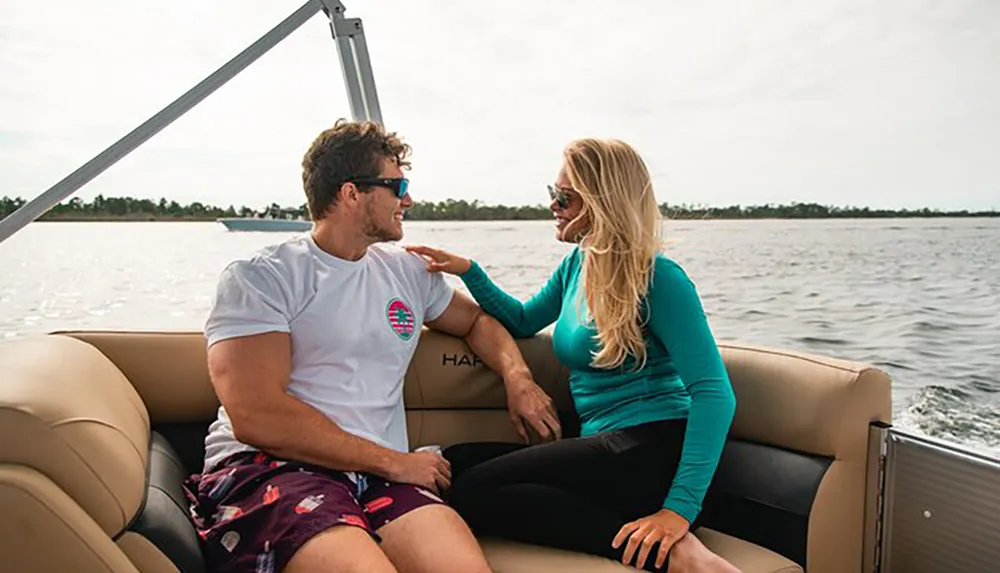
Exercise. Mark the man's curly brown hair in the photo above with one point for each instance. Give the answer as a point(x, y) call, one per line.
point(348, 150)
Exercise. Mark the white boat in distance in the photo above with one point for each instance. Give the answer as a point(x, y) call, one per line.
point(266, 224)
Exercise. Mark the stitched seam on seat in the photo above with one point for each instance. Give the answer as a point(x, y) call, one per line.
point(99, 422)
point(83, 460)
point(774, 352)
point(145, 493)
point(852, 387)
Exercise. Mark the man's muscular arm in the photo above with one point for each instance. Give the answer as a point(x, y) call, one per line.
point(251, 375)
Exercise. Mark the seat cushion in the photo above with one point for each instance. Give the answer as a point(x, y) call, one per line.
point(164, 517)
point(513, 557)
point(765, 495)
point(746, 556)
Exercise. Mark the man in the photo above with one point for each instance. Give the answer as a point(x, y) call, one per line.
point(307, 467)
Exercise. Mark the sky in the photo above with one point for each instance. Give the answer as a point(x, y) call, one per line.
point(888, 104)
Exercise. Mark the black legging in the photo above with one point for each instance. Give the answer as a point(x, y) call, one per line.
point(573, 494)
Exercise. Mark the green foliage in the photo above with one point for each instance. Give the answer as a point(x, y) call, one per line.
point(808, 211)
point(132, 209)
point(129, 208)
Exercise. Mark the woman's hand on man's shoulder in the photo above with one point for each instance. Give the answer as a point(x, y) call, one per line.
point(441, 261)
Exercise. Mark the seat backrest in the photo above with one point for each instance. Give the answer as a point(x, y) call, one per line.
point(792, 477)
point(83, 486)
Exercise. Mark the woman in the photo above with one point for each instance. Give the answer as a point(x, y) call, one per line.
point(647, 380)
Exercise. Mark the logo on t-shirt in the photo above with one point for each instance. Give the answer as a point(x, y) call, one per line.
point(400, 318)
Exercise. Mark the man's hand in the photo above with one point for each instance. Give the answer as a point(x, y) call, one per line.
point(527, 402)
point(428, 470)
point(664, 526)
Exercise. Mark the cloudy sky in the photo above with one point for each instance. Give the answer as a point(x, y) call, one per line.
point(887, 104)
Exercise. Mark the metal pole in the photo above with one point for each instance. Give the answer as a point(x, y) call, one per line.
point(367, 76)
point(63, 189)
point(871, 545)
point(355, 63)
point(348, 66)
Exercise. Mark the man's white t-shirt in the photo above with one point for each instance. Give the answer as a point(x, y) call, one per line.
point(354, 327)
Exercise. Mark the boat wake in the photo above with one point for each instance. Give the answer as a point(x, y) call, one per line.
point(963, 415)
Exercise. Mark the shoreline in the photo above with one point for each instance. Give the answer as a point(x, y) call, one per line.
point(114, 209)
point(666, 219)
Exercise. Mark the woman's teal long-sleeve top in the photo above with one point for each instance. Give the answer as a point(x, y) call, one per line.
point(684, 375)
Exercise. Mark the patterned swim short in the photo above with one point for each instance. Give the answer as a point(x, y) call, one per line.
point(253, 512)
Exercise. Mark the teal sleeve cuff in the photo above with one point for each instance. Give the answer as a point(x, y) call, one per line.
point(480, 286)
point(475, 275)
point(687, 510)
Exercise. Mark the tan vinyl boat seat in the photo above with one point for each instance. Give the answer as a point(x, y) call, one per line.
point(100, 428)
point(513, 557)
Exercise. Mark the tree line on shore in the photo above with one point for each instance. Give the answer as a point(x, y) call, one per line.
point(130, 208)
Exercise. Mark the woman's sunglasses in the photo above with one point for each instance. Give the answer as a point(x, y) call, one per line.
point(398, 185)
point(559, 196)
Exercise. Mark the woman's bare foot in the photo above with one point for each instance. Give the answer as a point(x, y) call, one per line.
point(689, 555)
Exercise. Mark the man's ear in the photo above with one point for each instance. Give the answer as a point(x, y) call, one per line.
point(348, 193)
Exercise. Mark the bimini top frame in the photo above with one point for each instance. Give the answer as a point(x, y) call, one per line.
point(355, 64)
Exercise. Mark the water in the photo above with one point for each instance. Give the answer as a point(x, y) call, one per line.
point(918, 298)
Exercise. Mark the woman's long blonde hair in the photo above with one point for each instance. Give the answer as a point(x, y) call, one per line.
point(620, 246)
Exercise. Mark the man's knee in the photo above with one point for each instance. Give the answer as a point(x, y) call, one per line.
point(340, 548)
point(421, 524)
point(432, 538)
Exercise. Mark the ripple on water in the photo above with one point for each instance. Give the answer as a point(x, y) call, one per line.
point(821, 341)
point(888, 364)
point(983, 384)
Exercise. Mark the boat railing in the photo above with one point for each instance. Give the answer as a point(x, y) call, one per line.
point(355, 64)
point(931, 506)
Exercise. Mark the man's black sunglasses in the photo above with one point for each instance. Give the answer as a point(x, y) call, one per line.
point(398, 185)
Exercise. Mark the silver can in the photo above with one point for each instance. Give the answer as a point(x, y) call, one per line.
point(430, 448)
